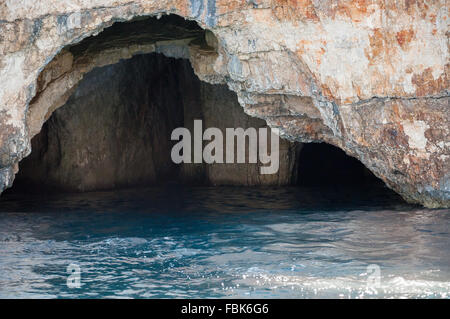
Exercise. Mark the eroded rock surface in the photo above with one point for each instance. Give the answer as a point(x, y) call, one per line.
point(370, 77)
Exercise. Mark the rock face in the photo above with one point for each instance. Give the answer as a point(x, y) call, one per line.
point(370, 77)
point(114, 131)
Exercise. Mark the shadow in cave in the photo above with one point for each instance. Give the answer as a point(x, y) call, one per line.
point(324, 165)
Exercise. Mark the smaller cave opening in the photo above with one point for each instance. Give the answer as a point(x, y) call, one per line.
point(326, 166)
point(114, 132)
point(329, 178)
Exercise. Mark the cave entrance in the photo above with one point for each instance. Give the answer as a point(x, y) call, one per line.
point(114, 130)
point(326, 166)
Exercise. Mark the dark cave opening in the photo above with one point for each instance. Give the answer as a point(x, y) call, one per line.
point(114, 131)
point(324, 165)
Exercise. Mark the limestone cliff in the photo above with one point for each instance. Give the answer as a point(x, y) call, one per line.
point(370, 77)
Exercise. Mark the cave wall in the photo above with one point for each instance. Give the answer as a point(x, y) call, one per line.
point(114, 131)
point(370, 77)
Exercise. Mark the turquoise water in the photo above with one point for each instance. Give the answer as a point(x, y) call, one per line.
point(223, 242)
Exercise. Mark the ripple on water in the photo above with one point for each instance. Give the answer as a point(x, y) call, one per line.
point(222, 242)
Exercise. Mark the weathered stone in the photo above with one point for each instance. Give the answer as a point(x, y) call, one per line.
point(376, 72)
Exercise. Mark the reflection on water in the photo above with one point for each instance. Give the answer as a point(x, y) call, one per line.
point(223, 242)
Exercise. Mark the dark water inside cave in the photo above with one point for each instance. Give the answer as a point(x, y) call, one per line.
point(223, 242)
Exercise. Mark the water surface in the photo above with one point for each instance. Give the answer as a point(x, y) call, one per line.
point(223, 242)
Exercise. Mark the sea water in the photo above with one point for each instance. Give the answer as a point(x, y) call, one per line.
point(223, 242)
